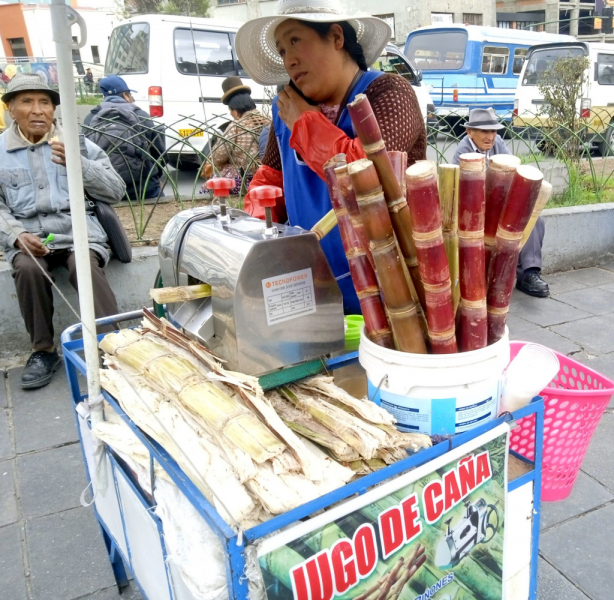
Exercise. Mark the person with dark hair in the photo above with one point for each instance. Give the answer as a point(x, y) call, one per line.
point(236, 154)
point(323, 56)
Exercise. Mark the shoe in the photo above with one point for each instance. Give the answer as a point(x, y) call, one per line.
point(532, 284)
point(40, 369)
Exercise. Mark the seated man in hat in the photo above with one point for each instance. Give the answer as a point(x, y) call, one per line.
point(482, 137)
point(34, 203)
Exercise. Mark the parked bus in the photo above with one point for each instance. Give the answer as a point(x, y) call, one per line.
point(467, 66)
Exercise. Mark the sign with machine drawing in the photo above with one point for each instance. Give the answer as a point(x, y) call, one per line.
point(432, 533)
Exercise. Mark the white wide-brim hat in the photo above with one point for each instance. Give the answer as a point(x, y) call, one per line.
point(255, 41)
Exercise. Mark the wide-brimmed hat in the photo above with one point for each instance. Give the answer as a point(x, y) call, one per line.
point(231, 86)
point(255, 41)
point(483, 118)
point(29, 82)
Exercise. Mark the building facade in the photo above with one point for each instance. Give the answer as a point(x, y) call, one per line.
point(402, 15)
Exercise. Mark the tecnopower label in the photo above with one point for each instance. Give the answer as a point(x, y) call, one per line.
point(288, 296)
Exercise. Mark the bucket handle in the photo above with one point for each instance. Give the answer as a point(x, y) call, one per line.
point(384, 378)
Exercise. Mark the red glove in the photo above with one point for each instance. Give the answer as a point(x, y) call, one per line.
point(266, 176)
point(317, 140)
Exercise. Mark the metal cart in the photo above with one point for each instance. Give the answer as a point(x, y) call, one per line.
point(134, 535)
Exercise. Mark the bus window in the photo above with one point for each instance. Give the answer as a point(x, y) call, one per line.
point(494, 60)
point(519, 55)
point(128, 50)
point(441, 51)
point(542, 60)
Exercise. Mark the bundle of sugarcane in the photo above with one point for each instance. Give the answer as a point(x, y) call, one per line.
point(218, 425)
point(434, 271)
point(473, 317)
point(382, 242)
point(355, 432)
point(515, 216)
point(361, 270)
point(499, 175)
point(367, 129)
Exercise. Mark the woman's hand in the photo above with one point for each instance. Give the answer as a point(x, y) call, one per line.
point(291, 106)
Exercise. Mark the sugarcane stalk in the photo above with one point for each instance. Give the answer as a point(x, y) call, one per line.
point(185, 293)
point(544, 195)
point(398, 588)
point(361, 271)
point(325, 225)
point(378, 228)
point(499, 176)
point(519, 205)
point(448, 197)
point(368, 132)
point(392, 578)
point(473, 317)
point(432, 260)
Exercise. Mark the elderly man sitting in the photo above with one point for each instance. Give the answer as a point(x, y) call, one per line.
point(34, 203)
point(482, 137)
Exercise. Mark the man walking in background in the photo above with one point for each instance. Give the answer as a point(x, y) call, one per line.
point(130, 138)
point(34, 202)
point(482, 137)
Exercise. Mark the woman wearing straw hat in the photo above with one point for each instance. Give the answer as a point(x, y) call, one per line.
point(322, 55)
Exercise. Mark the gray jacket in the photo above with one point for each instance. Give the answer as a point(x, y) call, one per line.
point(34, 193)
point(466, 145)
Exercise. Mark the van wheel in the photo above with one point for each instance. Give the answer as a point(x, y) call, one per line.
point(187, 164)
point(607, 146)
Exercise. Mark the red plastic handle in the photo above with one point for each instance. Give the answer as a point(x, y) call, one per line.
point(266, 195)
point(221, 186)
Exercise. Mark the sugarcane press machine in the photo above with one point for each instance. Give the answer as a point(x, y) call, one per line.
point(274, 301)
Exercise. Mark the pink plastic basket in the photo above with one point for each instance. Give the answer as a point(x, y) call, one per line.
point(574, 402)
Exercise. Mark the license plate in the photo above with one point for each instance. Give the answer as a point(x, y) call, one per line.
point(191, 133)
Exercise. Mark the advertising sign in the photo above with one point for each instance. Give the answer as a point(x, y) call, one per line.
point(435, 532)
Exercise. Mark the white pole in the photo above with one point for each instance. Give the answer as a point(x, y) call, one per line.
point(63, 17)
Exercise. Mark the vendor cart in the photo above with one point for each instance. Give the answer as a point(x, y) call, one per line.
point(135, 536)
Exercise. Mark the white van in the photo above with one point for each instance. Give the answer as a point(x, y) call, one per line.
point(177, 65)
point(596, 106)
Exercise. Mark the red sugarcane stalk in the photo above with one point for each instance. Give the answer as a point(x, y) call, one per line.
point(521, 199)
point(368, 132)
point(391, 276)
point(473, 317)
point(432, 260)
point(363, 275)
point(499, 175)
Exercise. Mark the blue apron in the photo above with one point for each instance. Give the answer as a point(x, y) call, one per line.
point(307, 198)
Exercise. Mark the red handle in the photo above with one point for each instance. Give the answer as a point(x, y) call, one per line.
point(221, 186)
point(266, 195)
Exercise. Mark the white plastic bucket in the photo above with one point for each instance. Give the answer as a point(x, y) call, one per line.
point(436, 393)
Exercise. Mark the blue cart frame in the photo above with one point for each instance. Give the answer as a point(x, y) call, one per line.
point(235, 547)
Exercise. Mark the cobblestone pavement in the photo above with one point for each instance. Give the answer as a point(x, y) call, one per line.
point(51, 547)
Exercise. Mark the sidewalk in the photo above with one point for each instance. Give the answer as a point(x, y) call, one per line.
point(51, 547)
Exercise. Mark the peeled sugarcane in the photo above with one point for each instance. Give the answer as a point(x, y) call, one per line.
point(363, 275)
point(180, 294)
point(473, 315)
point(515, 216)
point(368, 132)
point(378, 227)
point(448, 198)
point(499, 175)
point(434, 272)
point(544, 195)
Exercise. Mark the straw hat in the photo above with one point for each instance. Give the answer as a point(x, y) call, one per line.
point(231, 86)
point(255, 41)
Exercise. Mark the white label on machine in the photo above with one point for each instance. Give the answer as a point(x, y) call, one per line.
point(288, 296)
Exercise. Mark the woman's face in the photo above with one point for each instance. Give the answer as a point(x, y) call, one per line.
point(313, 64)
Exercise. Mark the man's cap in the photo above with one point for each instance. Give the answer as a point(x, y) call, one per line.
point(29, 82)
point(231, 86)
point(483, 118)
point(113, 85)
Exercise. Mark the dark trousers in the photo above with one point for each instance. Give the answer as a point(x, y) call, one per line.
point(34, 292)
point(531, 254)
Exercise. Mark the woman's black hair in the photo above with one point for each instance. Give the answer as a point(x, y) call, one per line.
point(241, 102)
point(350, 41)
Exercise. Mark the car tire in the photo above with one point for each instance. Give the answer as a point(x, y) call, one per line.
point(607, 146)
